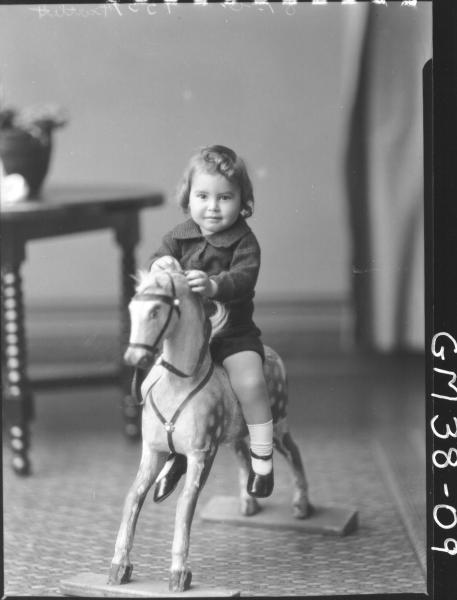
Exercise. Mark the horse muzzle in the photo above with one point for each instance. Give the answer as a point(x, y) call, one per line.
point(141, 358)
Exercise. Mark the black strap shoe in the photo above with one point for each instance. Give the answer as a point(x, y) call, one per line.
point(166, 484)
point(260, 486)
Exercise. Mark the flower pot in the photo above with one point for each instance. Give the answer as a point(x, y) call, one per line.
point(27, 155)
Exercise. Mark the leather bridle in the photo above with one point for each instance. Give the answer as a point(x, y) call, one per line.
point(173, 303)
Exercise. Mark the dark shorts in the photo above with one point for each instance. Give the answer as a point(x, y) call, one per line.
point(221, 347)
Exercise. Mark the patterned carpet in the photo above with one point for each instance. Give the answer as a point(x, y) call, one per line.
point(63, 519)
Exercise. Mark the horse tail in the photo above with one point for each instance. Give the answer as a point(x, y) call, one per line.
point(218, 318)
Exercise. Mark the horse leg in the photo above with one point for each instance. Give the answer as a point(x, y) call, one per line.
point(301, 506)
point(248, 504)
point(198, 468)
point(150, 465)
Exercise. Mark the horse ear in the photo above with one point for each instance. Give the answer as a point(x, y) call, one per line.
point(174, 265)
point(161, 280)
point(182, 285)
point(140, 276)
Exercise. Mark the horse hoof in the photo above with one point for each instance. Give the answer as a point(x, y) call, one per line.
point(180, 580)
point(302, 510)
point(119, 574)
point(249, 506)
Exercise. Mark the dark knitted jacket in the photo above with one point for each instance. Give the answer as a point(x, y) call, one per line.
point(230, 257)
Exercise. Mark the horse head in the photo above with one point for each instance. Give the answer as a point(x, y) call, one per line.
point(163, 303)
point(155, 311)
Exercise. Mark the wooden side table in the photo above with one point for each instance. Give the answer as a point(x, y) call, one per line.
point(61, 211)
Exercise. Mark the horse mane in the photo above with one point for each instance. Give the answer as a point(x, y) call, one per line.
point(219, 316)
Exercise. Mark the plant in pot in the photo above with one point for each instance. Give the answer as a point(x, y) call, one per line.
point(26, 142)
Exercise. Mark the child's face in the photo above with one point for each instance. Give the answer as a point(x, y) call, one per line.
point(214, 202)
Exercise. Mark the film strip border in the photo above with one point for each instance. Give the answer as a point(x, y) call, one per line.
point(440, 185)
point(104, 8)
point(239, 4)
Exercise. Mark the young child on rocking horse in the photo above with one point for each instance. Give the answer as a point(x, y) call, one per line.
point(221, 257)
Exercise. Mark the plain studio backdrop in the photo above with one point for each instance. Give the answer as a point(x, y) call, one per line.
point(145, 90)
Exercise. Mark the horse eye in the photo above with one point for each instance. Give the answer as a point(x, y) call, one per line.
point(154, 311)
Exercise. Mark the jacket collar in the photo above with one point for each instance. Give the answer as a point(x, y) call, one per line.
point(190, 230)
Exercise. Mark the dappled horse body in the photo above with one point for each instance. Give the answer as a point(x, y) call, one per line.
point(190, 408)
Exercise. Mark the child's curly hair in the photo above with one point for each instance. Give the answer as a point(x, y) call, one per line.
point(218, 160)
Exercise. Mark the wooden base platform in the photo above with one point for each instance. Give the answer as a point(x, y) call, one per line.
point(94, 585)
point(277, 514)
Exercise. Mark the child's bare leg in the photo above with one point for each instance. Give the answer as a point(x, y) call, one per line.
point(245, 371)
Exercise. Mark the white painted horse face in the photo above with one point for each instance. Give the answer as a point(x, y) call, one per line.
point(145, 318)
point(154, 313)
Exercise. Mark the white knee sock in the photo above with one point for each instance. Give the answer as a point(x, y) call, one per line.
point(261, 442)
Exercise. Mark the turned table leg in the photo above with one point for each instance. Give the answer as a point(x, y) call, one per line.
point(17, 394)
point(127, 236)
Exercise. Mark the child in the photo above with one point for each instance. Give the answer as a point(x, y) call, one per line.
point(221, 257)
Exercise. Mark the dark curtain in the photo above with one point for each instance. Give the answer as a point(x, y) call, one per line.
point(388, 46)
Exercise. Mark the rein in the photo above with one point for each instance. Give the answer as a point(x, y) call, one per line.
point(170, 425)
point(201, 356)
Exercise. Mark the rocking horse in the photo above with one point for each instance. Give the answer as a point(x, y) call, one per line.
point(189, 409)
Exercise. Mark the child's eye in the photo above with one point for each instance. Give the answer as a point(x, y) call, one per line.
point(201, 195)
point(226, 197)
